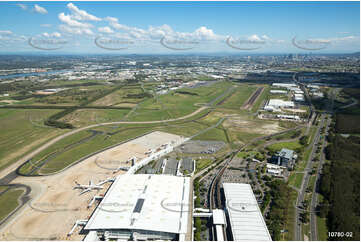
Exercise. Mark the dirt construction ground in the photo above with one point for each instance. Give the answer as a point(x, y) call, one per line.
point(242, 124)
point(55, 205)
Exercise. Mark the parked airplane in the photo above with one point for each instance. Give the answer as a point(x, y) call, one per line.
point(88, 188)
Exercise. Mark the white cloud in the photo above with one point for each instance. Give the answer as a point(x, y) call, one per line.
point(205, 33)
point(255, 38)
point(111, 19)
point(158, 32)
point(113, 22)
point(81, 14)
point(73, 23)
point(55, 34)
point(22, 6)
point(7, 36)
point(46, 25)
point(106, 30)
point(75, 30)
point(39, 9)
point(5, 32)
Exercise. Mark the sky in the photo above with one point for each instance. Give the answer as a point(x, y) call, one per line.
point(179, 27)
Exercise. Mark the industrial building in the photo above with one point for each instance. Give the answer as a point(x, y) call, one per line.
point(288, 117)
point(143, 207)
point(276, 104)
point(284, 159)
point(278, 91)
point(245, 218)
point(298, 97)
point(284, 85)
point(274, 170)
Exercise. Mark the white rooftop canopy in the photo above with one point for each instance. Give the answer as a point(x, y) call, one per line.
point(246, 219)
point(144, 202)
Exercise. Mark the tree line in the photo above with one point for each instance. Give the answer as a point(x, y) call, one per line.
point(340, 185)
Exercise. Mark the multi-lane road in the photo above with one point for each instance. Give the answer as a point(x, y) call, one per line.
point(306, 178)
point(314, 201)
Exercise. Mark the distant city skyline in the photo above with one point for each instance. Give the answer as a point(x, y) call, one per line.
point(179, 27)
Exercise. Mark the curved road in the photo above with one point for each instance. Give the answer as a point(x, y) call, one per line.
point(15, 165)
point(10, 170)
point(9, 174)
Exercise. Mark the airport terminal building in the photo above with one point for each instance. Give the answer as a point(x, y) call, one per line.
point(143, 207)
point(245, 218)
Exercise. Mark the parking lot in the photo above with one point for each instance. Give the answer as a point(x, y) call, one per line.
point(201, 147)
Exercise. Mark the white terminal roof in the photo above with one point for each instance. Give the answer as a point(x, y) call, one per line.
point(145, 202)
point(246, 219)
point(280, 103)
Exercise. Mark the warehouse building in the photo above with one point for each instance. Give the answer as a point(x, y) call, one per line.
point(276, 104)
point(143, 207)
point(298, 97)
point(284, 85)
point(245, 218)
point(278, 91)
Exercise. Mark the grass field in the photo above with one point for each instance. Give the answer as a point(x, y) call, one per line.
point(121, 96)
point(246, 154)
point(69, 96)
point(186, 129)
point(311, 182)
point(3, 188)
point(322, 231)
point(307, 152)
point(202, 163)
point(175, 104)
point(9, 201)
point(289, 135)
point(306, 230)
point(264, 95)
point(85, 117)
point(22, 131)
point(295, 180)
point(290, 220)
point(240, 95)
point(66, 156)
point(215, 134)
point(287, 145)
point(72, 148)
